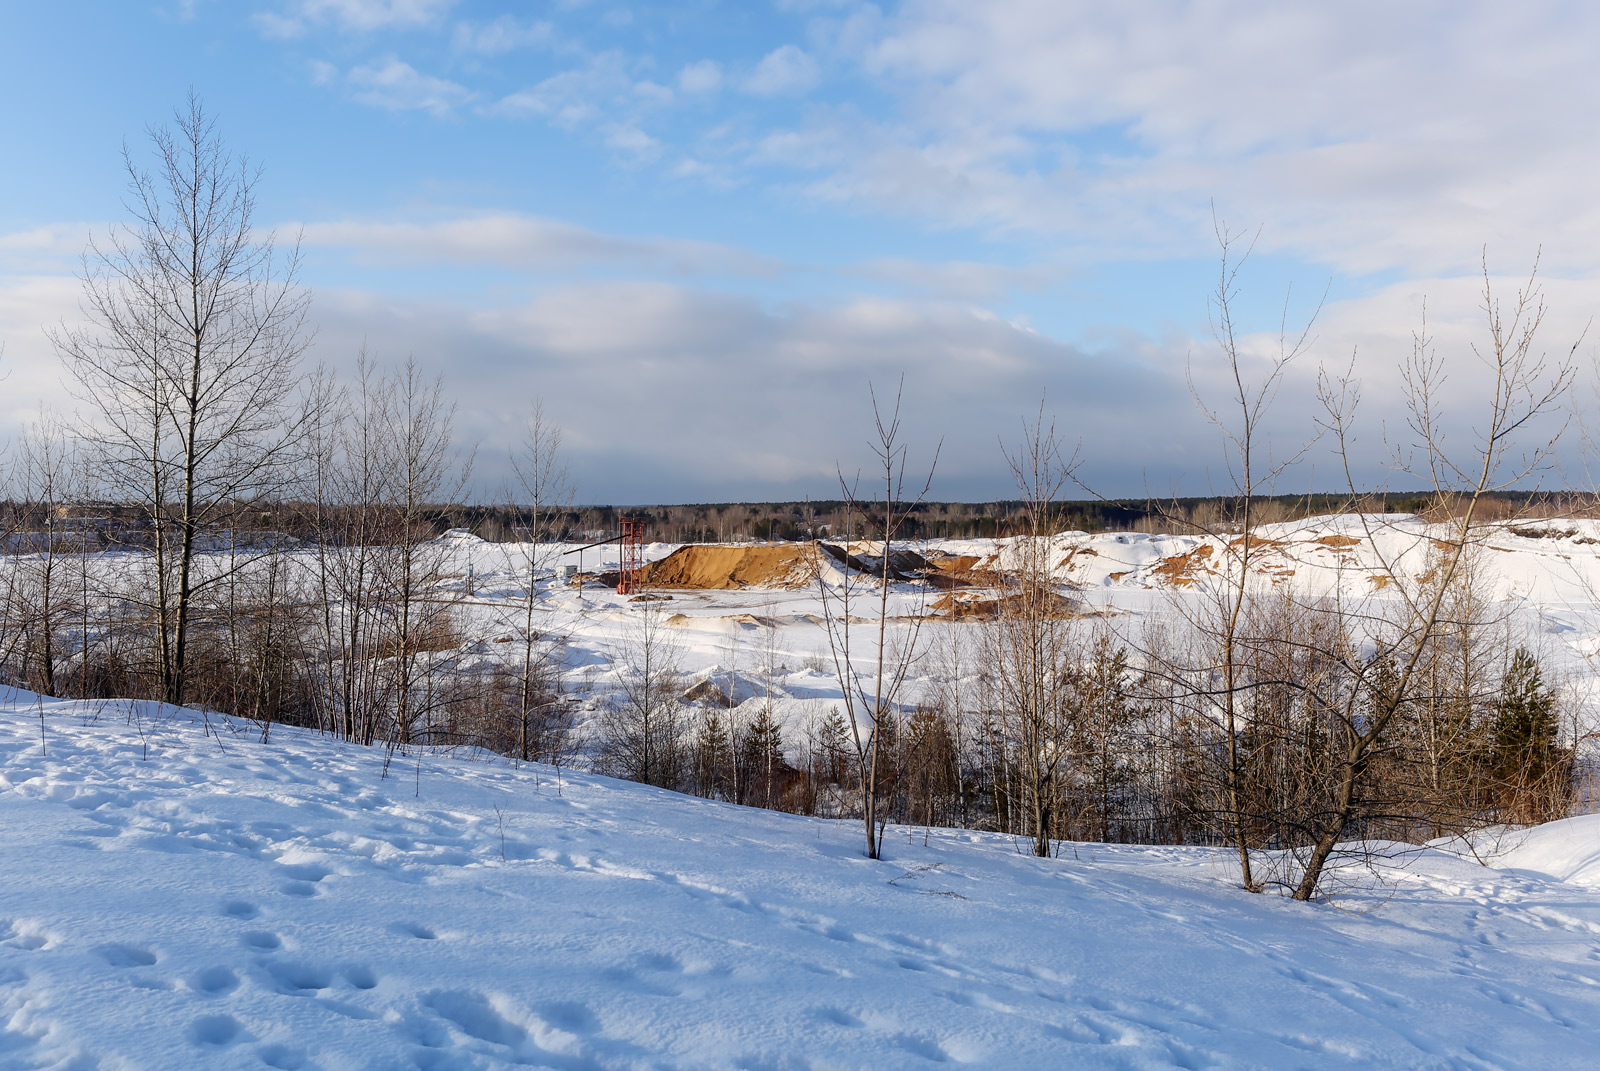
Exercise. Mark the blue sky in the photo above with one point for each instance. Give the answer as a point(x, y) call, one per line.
point(699, 230)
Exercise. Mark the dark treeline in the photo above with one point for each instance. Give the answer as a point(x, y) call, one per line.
point(722, 522)
point(104, 523)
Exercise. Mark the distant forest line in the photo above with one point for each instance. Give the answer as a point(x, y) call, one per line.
point(722, 522)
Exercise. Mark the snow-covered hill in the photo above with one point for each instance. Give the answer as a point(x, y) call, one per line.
point(177, 898)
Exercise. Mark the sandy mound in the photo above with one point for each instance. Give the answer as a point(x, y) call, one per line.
point(1179, 569)
point(715, 566)
point(950, 571)
point(987, 608)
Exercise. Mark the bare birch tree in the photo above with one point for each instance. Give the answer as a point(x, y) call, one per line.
point(414, 447)
point(643, 728)
point(188, 367)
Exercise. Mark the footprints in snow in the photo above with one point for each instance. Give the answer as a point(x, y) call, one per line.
point(24, 936)
point(216, 1031)
point(282, 1057)
point(272, 971)
point(303, 879)
point(118, 955)
point(214, 981)
point(916, 1044)
point(660, 975)
point(550, 1034)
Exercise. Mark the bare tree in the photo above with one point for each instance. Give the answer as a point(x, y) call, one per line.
point(415, 449)
point(644, 725)
point(189, 365)
point(1029, 650)
point(870, 697)
point(50, 481)
point(387, 613)
point(543, 488)
point(350, 485)
point(1240, 420)
point(1522, 390)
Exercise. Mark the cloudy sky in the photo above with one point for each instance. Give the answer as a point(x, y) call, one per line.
point(700, 230)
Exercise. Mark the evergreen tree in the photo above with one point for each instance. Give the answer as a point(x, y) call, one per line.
point(932, 773)
point(1528, 767)
point(761, 755)
point(712, 751)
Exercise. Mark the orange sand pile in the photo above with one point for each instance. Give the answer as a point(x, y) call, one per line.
point(1178, 570)
point(713, 566)
point(1055, 606)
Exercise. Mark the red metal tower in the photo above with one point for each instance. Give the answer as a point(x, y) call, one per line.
point(630, 568)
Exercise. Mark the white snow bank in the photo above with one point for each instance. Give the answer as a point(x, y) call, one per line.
point(169, 899)
point(1568, 850)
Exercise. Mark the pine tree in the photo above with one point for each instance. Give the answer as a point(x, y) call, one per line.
point(761, 755)
point(1103, 728)
point(712, 751)
point(1527, 765)
point(932, 774)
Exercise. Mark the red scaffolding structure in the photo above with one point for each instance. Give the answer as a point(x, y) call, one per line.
point(630, 565)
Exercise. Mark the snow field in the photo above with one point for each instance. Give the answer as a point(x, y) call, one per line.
point(1546, 572)
point(171, 898)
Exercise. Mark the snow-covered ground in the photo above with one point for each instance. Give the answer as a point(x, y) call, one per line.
point(1545, 575)
point(173, 898)
point(770, 642)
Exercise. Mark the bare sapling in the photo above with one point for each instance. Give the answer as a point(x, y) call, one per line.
point(870, 694)
point(1029, 639)
point(542, 488)
point(51, 481)
point(1240, 419)
point(644, 727)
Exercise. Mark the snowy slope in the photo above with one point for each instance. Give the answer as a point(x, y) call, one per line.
point(173, 899)
point(1568, 850)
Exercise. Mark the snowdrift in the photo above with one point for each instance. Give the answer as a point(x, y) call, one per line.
point(1568, 850)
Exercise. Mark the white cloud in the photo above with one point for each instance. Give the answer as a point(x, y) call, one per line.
point(578, 96)
point(704, 76)
point(280, 27)
point(29, 305)
point(56, 246)
point(1369, 135)
point(652, 93)
point(357, 16)
point(504, 34)
point(675, 392)
point(631, 139)
point(671, 393)
point(785, 70)
point(529, 243)
point(398, 86)
point(958, 279)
